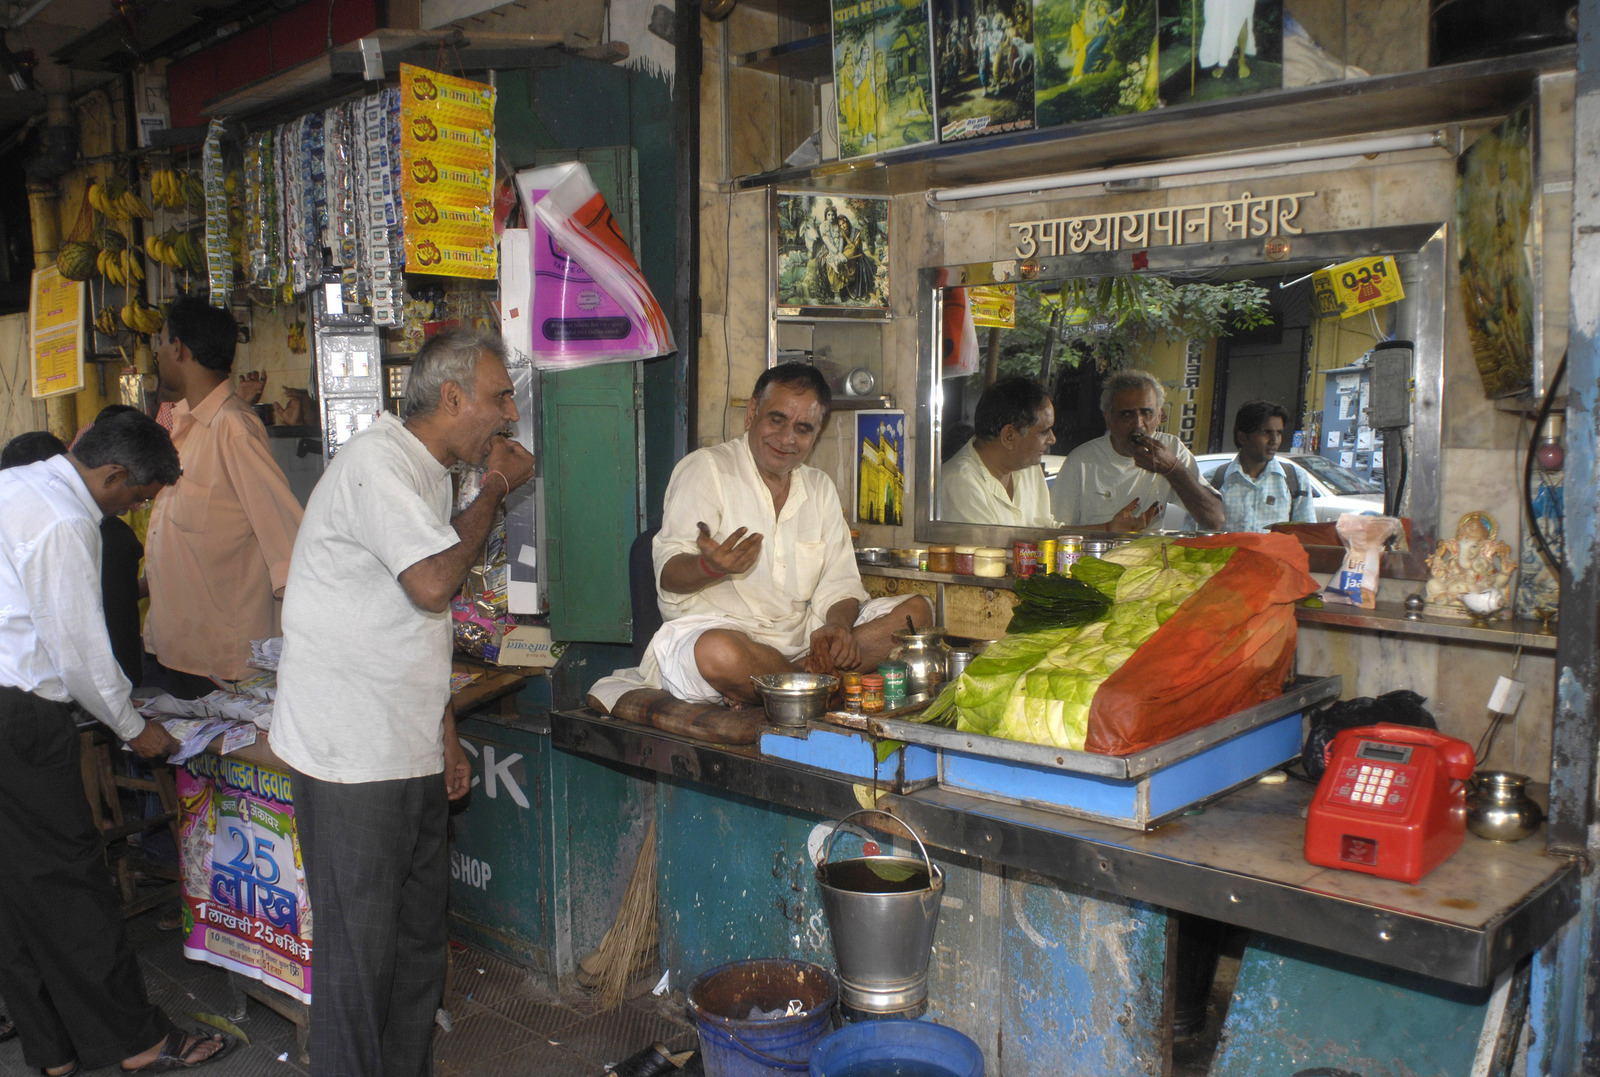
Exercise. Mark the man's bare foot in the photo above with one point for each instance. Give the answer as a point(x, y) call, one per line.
point(178, 1051)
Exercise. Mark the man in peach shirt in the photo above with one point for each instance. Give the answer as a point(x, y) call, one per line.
point(217, 552)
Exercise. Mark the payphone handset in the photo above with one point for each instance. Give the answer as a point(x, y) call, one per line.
point(1391, 803)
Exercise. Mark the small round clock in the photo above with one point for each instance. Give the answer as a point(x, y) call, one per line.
point(859, 382)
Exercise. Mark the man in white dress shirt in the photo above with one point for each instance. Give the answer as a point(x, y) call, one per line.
point(995, 478)
point(1123, 481)
point(755, 572)
point(67, 970)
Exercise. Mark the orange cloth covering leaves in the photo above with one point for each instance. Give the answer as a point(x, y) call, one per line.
point(1229, 647)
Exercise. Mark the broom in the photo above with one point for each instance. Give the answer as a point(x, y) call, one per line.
point(629, 947)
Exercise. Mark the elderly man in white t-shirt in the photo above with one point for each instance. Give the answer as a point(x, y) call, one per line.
point(1123, 481)
point(363, 712)
point(755, 573)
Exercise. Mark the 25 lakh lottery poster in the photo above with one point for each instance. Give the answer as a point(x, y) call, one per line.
point(447, 173)
point(244, 892)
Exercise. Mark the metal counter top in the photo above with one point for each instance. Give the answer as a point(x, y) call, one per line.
point(1240, 860)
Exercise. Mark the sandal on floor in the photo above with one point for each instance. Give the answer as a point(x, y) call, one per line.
point(71, 1071)
point(174, 1056)
point(8, 1029)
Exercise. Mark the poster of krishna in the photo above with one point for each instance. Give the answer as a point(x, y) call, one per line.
point(832, 255)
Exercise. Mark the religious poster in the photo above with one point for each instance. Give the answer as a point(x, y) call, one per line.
point(1095, 58)
point(832, 254)
point(55, 333)
point(1494, 211)
point(983, 67)
point(880, 467)
point(1220, 48)
point(447, 174)
point(882, 75)
point(245, 904)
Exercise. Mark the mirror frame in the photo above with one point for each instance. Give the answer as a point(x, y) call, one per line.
point(1422, 312)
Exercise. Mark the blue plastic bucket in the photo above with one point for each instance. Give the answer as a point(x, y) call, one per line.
point(912, 1048)
point(732, 1045)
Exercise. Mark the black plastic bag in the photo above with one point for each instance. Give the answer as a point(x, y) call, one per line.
point(1401, 707)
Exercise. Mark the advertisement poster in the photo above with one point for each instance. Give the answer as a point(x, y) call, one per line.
point(983, 67)
point(55, 332)
point(882, 72)
point(1220, 48)
point(1094, 59)
point(880, 467)
point(833, 253)
point(244, 886)
point(447, 173)
point(994, 306)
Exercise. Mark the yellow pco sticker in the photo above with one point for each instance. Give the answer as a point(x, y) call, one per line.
point(1357, 286)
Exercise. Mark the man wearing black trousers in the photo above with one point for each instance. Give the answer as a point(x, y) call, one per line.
point(363, 715)
point(67, 970)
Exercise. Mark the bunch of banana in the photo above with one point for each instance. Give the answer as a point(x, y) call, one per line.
point(106, 321)
point(176, 248)
point(167, 188)
point(140, 318)
point(117, 200)
point(120, 267)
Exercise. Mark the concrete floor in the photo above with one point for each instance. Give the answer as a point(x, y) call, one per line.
point(502, 1022)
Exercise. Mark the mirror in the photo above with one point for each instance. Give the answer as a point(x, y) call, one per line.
point(1228, 325)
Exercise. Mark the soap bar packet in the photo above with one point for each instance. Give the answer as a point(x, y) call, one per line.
point(1364, 537)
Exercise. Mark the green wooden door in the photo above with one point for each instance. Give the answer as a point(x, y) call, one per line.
point(591, 456)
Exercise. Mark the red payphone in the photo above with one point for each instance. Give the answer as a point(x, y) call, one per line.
point(1391, 803)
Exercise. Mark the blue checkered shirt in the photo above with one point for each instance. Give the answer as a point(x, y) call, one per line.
point(1254, 504)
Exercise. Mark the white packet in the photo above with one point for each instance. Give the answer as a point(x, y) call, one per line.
point(1364, 537)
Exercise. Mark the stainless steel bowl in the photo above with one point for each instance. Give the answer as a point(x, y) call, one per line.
point(912, 558)
point(872, 555)
point(795, 698)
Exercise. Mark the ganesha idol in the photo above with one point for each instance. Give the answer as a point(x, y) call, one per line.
point(1471, 572)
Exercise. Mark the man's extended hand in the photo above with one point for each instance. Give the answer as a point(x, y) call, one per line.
point(457, 769)
point(511, 460)
point(735, 554)
point(154, 742)
point(833, 647)
point(1129, 518)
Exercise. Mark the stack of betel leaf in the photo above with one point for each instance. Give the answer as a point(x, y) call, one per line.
point(1036, 684)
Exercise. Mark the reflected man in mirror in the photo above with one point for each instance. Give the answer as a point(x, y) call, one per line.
point(1257, 488)
point(995, 478)
point(755, 573)
point(1123, 481)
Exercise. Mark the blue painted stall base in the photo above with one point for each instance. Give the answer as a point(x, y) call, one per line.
point(898, 1048)
point(850, 753)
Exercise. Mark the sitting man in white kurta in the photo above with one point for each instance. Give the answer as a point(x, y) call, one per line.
point(995, 478)
point(755, 573)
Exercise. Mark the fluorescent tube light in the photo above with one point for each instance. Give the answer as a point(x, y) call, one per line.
point(1190, 165)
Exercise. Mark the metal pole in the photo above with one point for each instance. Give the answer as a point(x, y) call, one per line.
point(1573, 761)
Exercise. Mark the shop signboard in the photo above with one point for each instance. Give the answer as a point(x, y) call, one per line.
point(55, 333)
point(245, 904)
point(447, 174)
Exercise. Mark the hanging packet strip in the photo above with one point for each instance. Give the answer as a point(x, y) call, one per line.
point(589, 301)
point(219, 255)
point(447, 164)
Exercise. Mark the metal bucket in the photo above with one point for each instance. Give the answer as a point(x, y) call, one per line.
point(882, 911)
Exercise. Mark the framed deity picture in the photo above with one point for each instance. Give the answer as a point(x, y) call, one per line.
point(880, 458)
point(882, 72)
point(830, 256)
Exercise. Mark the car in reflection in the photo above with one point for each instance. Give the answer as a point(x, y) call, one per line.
point(1335, 490)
